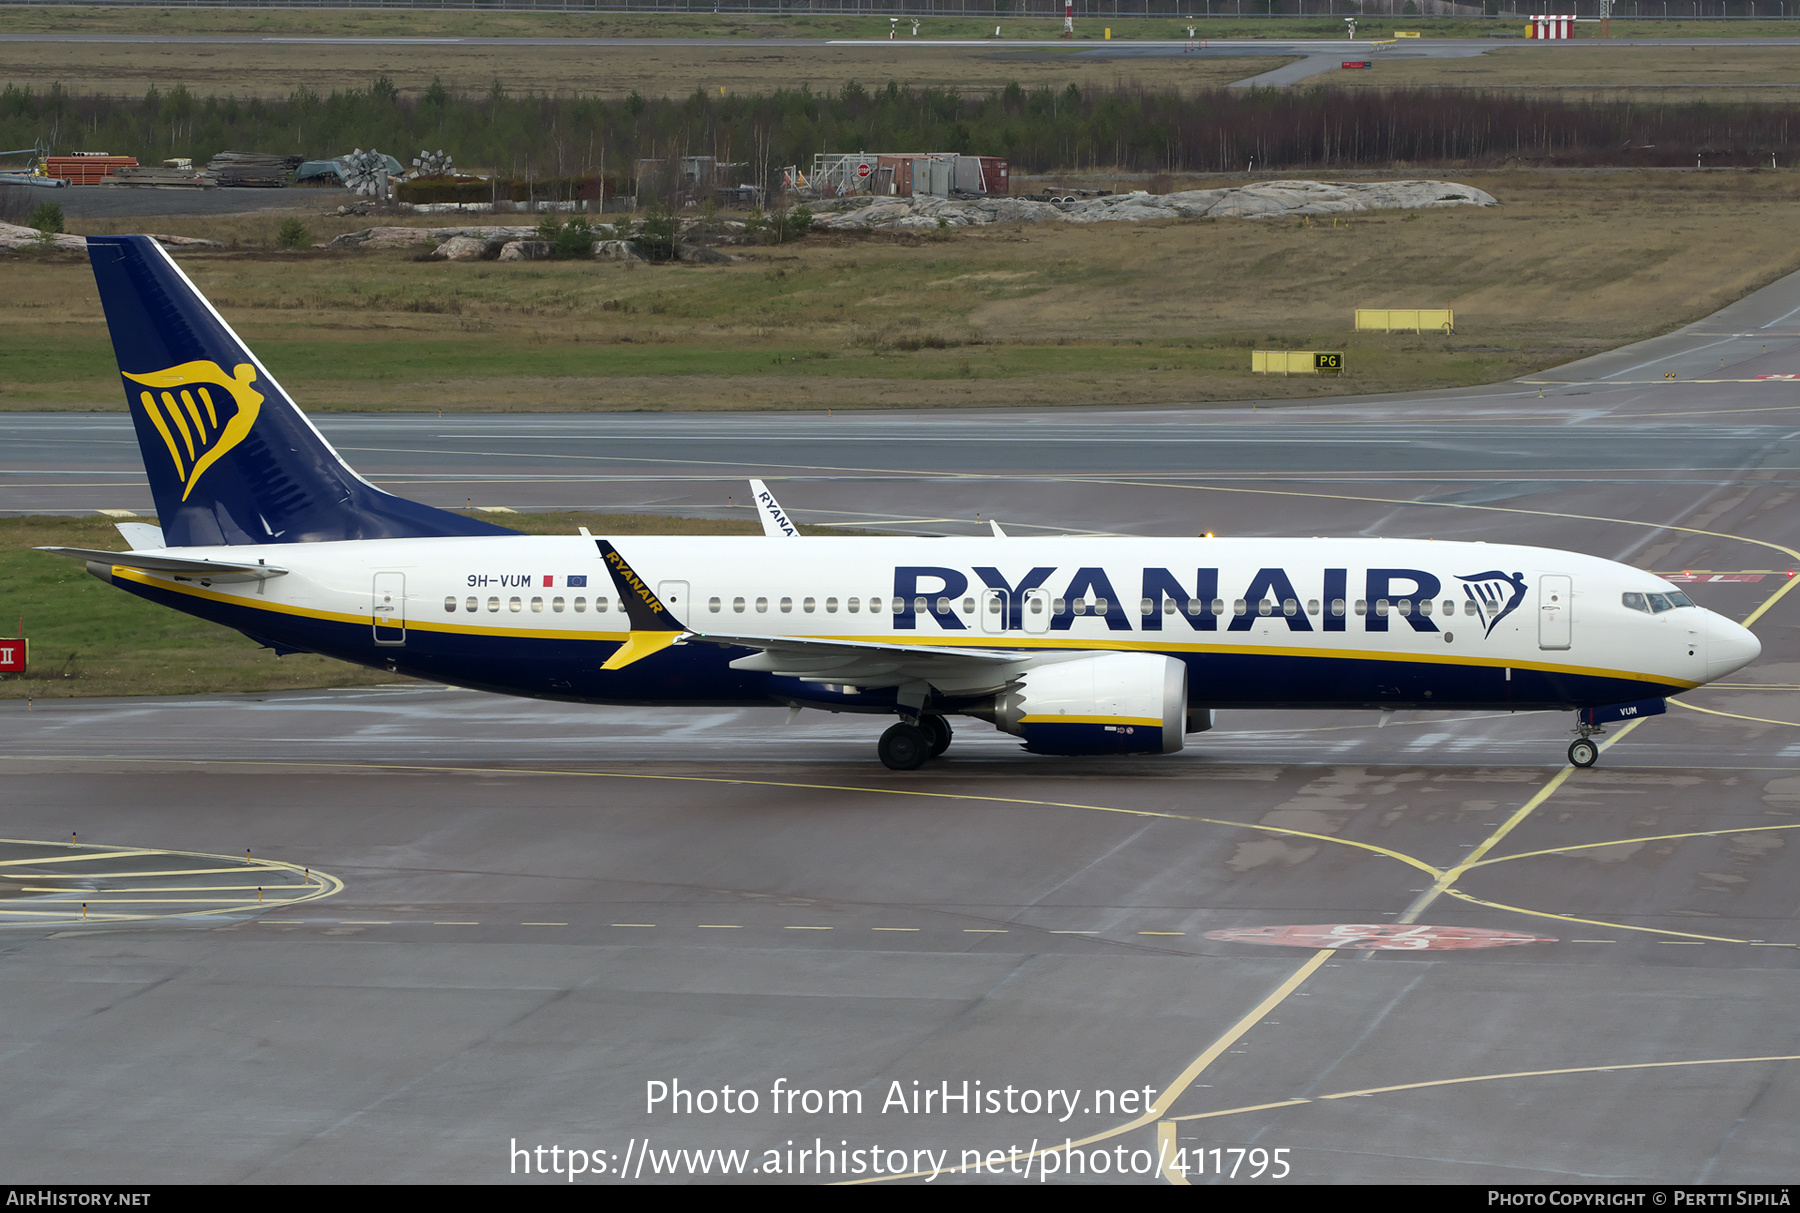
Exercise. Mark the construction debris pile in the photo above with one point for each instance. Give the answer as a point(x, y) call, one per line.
point(1262, 200)
point(514, 243)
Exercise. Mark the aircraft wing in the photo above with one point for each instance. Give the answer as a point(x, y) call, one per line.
point(179, 566)
point(873, 664)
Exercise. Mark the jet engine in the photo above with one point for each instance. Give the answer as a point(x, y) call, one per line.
point(1100, 703)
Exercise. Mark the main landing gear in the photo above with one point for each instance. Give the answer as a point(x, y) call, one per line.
point(908, 746)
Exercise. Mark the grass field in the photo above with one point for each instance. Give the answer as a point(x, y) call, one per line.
point(1663, 73)
point(1570, 264)
point(120, 69)
point(88, 638)
point(425, 23)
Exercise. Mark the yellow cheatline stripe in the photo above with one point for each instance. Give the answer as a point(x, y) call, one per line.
point(1145, 721)
point(1451, 1082)
point(250, 601)
point(1734, 715)
point(1170, 1093)
point(1620, 842)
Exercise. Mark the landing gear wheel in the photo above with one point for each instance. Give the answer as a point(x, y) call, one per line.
point(905, 747)
point(1583, 753)
point(937, 731)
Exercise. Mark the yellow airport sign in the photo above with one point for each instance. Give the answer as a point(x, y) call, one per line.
point(1296, 362)
point(1405, 319)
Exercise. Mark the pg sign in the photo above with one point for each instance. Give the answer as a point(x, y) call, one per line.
point(1328, 362)
point(12, 655)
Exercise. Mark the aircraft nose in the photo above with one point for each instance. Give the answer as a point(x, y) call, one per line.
point(1728, 646)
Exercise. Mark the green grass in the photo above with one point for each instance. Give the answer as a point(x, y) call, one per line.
point(77, 19)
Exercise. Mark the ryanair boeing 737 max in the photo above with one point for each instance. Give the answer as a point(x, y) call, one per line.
point(1075, 645)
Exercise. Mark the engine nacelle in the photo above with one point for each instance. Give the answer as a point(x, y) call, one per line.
point(1106, 703)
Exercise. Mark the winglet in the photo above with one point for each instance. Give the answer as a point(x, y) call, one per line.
point(653, 628)
point(775, 522)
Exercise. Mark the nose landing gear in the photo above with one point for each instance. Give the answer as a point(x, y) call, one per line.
point(1583, 753)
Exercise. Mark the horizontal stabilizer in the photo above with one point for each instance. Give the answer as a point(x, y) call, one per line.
point(179, 566)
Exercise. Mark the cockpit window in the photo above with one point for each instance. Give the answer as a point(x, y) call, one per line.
point(1655, 604)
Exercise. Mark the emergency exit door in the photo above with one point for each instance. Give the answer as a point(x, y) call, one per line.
point(1555, 597)
point(388, 610)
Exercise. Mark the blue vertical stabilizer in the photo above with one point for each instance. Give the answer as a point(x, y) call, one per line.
point(231, 458)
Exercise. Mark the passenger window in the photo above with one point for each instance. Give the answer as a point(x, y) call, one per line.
point(493, 604)
point(1404, 606)
point(1195, 606)
point(514, 605)
point(1634, 602)
point(1218, 606)
point(713, 605)
point(1337, 607)
point(850, 605)
point(600, 604)
point(1425, 606)
point(1289, 607)
point(580, 605)
point(762, 606)
point(831, 606)
point(1079, 607)
point(1265, 608)
point(1449, 606)
point(737, 604)
point(1381, 606)
point(450, 605)
point(1059, 607)
point(1312, 606)
point(919, 607)
point(1362, 606)
point(787, 606)
point(1146, 606)
point(1469, 607)
point(993, 605)
point(808, 605)
point(470, 604)
point(1101, 606)
point(1035, 605)
point(1239, 607)
point(537, 606)
point(556, 604)
point(968, 606)
point(943, 606)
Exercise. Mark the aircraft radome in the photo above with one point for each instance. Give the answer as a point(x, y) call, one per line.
point(1075, 645)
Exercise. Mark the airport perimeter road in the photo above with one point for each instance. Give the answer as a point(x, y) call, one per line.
point(1429, 951)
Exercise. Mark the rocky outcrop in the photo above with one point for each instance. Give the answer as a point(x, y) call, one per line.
point(13, 238)
point(461, 248)
point(1262, 200)
point(528, 250)
point(411, 237)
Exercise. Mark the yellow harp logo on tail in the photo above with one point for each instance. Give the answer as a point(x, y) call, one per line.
point(187, 414)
